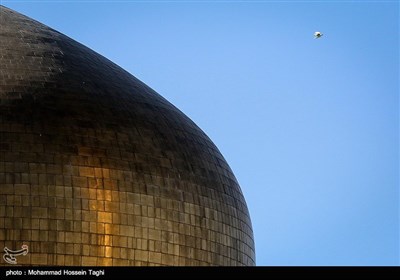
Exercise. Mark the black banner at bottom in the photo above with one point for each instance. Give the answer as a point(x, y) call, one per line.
point(140, 273)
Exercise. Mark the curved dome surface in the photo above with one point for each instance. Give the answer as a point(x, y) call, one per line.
point(96, 168)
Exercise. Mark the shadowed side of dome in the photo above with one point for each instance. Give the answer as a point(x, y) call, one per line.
point(96, 168)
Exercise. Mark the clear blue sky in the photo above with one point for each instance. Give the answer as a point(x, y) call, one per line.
point(310, 127)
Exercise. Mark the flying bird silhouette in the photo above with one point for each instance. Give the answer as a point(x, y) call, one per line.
point(317, 35)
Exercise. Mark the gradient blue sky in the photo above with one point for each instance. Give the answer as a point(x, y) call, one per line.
point(310, 127)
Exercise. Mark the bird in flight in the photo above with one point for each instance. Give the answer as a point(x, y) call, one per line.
point(317, 35)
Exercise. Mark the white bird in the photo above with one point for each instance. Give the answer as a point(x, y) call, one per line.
point(317, 35)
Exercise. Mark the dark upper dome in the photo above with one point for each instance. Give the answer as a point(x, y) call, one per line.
point(96, 168)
